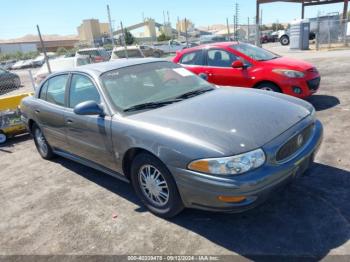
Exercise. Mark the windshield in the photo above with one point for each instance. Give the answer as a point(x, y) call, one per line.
point(254, 52)
point(149, 83)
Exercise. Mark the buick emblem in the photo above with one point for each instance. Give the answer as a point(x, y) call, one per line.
point(300, 140)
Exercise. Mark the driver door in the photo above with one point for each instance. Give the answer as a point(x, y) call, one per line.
point(89, 136)
point(220, 70)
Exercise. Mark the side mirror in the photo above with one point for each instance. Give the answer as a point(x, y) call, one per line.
point(89, 108)
point(238, 64)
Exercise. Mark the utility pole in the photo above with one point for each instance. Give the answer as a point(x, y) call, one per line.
point(110, 26)
point(186, 32)
point(44, 50)
point(178, 28)
point(228, 29)
point(248, 30)
point(124, 40)
point(236, 21)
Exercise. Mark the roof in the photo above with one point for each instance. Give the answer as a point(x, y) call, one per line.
point(305, 2)
point(99, 68)
point(203, 46)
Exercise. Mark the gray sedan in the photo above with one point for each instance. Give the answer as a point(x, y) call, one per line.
point(179, 140)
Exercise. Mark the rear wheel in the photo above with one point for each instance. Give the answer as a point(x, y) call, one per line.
point(3, 138)
point(41, 144)
point(269, 87)
point(155, 186)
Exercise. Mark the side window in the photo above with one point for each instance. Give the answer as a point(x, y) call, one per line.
point(220, 58)
point(193, 58)
point(43, 90)
point(56, 89)
point(81, 90)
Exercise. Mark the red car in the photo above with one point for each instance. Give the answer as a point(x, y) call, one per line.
point(246, 65)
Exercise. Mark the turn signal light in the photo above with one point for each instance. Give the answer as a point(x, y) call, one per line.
point(232, 199)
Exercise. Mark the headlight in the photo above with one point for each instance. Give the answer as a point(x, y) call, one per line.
point(289, 73)
point(233, 165)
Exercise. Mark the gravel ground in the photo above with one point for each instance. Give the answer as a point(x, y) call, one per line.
point(60, 207)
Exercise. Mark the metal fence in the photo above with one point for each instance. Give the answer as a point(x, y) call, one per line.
point(15, 81)
point(330, 32)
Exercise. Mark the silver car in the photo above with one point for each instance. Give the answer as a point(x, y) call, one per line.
point(179, 140)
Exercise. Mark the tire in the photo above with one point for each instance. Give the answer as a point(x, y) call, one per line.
point(156, 54)
point(161, 197)
point(41, 144)
point(284, 40)
point(269, 87)
point(3, 138)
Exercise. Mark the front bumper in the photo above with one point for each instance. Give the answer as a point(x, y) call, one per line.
point(308, 86)
point(201, 190)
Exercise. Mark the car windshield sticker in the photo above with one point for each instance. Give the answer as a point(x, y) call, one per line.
point(183, 72)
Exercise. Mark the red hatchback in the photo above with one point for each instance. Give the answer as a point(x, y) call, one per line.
point(246, 65)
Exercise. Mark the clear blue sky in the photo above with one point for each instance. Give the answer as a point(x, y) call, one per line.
point(19, 17)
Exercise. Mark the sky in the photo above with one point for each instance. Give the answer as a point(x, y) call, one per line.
point(20, 17)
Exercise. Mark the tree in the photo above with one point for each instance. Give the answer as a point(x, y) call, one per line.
point(163, 37)
point(277, 26)
point(129, 38)
point(61, 51)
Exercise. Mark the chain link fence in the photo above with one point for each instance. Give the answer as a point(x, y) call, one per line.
point(330, 32)
point(15, 82)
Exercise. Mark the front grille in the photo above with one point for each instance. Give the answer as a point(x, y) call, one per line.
point(294, 144)
point(314, 83)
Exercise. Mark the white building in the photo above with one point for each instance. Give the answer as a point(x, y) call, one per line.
point(11, 48)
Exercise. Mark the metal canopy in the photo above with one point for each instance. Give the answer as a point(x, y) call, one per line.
point(304, 3)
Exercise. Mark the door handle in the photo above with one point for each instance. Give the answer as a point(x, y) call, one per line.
point(69, 121)
point(37, 111)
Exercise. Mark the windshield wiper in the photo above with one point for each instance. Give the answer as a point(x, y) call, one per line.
point(194, 93)
point(150, 105)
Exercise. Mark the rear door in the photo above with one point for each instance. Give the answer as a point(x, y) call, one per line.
point(88, 136)
point(49, 110)
point(220, 72)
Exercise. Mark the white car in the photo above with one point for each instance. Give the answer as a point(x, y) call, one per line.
point(18, 64)
point(60, 64)
point(172, 46)
point(96, 54)
point(132, 52)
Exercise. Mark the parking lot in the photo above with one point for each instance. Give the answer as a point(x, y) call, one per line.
point(60, 207)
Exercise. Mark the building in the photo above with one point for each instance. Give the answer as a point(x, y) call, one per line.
point(31, 43)
point(184, 24)
point(92, 32)
point(11, 48)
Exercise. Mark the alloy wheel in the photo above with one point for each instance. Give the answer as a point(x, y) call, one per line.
point(41, 142)
point(153, 185)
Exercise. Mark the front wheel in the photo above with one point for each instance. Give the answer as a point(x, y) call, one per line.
point(155, 186)
point(41, 144)
point(284, 40)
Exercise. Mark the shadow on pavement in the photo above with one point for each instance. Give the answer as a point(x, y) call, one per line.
point(323, 102)
point(306, 220)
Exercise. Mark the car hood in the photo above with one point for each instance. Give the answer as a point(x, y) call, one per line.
point(289, 63)
point(227, 120)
